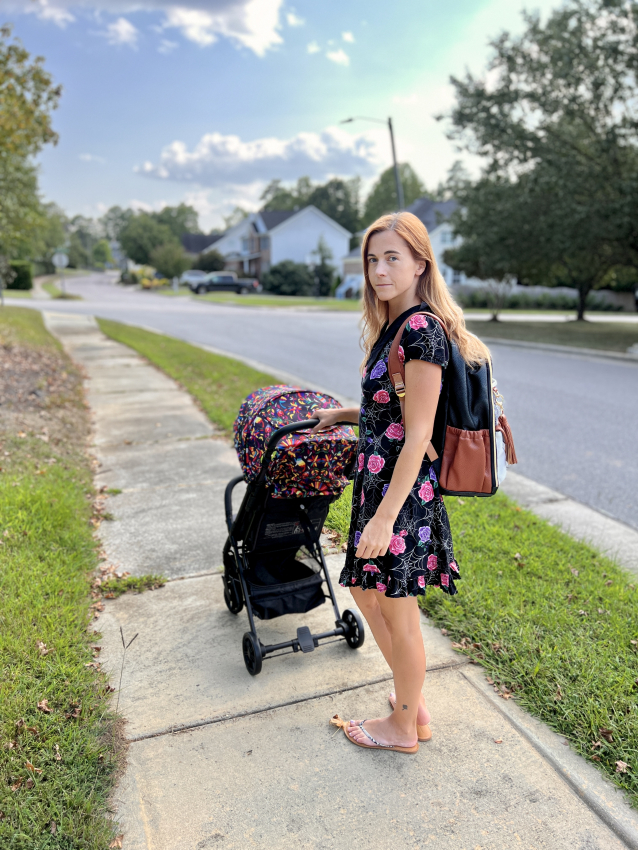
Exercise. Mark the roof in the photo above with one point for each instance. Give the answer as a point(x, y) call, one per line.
point(195, 243)
point(432, 213)
point(272, 218)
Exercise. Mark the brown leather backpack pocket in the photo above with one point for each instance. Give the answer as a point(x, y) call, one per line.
point(466, 466)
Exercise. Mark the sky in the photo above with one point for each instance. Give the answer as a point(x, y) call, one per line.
point(206, 101)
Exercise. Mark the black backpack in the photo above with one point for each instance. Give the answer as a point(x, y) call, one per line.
point(471, 442)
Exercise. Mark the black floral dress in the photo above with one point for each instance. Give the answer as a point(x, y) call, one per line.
point(420, 551)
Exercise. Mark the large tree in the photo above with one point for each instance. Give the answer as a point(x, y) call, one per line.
point(555, 123)
point(142, 235)
point(27, 99)
point(383, 195)
point(337, 198)
point(179, 220)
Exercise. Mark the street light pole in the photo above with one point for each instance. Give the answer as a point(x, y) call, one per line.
point(397, 175)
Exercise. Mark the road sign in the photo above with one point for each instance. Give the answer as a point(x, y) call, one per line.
point(60, 260)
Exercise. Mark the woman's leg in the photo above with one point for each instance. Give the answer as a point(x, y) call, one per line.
point(402, 619)
point(368, 603)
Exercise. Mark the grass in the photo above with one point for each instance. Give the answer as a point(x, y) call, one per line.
point(56, 753)
point(17, 293)
point(264, 299)
point(553, 622)
point(55, 292)
point(220, 384)
point(612, 336)
point(116, 586)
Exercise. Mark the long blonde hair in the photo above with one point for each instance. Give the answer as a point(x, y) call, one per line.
point(431, 288)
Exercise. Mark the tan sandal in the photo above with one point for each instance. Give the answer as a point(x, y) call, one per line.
point(375, 745)
point(424, 733)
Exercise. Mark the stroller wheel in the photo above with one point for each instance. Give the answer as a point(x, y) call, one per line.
point(355, 634)
point(234, 603)
point(252, 653)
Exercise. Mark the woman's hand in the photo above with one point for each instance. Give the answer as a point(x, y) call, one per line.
point(327, 418)
point(376, 537)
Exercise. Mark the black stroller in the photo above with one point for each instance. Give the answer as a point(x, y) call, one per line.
point(292, 480)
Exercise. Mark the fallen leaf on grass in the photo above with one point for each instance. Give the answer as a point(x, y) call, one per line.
point(498, 740)
point(575, 572)
point(596, 758)
point(518, 556)
point(11, 745)
point(42, 647)
point(621, 767)
point(116, 844)
point(608, 583)
point(583, 613)
point(17, 785)
point(32, 768)
point(559, 694)
point(53, 827)
point(489, 681)
point(77, 710)
point(596, 745)
point(57, 755)
point(43, 705)
point(29, 783)
point(444, 632)
point(607, 734)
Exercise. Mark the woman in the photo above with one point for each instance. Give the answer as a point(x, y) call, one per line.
point(400, 540)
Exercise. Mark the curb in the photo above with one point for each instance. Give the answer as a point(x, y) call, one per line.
point(563, 349)
point(605, 800)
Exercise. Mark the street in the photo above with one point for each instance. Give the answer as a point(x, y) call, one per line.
point(573, 417)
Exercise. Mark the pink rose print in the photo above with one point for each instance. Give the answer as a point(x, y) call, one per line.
point(426, 492)
point(375, 464)
point(421, 581)
point(381, 587)
point(397, 545)
point(394, 432)
point(354, 581)
point(445, 580)
point(418, 321)
point(401, 354)
point(382, 397)
point(433, 562)
point(370, 568)
point(363, 498)
point(403, 533)
point(361, 461)
point(454, 566)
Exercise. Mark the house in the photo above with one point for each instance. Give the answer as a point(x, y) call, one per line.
point(268, 237)
point(195, 244)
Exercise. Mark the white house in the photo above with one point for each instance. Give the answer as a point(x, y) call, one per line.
point(268, 237)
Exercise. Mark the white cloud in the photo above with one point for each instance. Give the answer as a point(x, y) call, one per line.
point(294, 20)
point(253, 24)
point(167, 46)
point(122, 32)
point(143, 206)
point(313, 47)
point(219, 160)
point(91, 157)
point(338, 56)
point(406, 99)
point(347, 36)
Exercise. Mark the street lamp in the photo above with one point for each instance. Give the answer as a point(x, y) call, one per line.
point(397, 176)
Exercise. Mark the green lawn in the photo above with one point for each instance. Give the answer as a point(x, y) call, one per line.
point(264, 299)
point(57, 758)
point(56, 292)
point(553, 623)
point(612, 336)
point(220, 384)
point(17, 293)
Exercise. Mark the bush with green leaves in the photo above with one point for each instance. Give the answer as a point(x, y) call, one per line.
point(288, 278)
point(170, 260)
point(211, 261)
point(23, 275)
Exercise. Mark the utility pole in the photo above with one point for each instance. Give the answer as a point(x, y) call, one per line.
point(397, 175)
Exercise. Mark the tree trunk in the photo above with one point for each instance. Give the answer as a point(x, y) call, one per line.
point(582, 297)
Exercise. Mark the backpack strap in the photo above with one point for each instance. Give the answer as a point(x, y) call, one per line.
point(396, 368)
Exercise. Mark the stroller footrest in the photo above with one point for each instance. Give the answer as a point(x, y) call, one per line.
point(305, 640)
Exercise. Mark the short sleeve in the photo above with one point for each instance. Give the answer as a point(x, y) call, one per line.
point(424, 339)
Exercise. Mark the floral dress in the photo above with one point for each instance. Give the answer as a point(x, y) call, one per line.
point(420, 551)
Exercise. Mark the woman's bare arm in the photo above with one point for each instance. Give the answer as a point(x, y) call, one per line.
point(422, 385)
point(330, 416)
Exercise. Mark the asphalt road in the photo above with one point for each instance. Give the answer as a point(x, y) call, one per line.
point(574, 418)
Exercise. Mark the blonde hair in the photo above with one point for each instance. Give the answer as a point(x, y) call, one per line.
point(431, 288)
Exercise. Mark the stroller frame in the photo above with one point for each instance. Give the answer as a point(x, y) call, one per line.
point(242, 528)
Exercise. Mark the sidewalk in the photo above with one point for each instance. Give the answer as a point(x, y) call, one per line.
point(220, 759)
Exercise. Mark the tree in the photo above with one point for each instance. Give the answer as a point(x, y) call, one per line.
point(383, 195)
point(323, 272)
point(337, 198)
point(102, 253)
point(142, 235)
point(233, 218)
point(27, 100)
point(114, 221)
point(557, 115)
point(169, 260)
point(179, 220)
point(211, 261)
point(288, 278)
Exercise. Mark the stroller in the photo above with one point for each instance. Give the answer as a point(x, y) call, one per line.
point(273, 561)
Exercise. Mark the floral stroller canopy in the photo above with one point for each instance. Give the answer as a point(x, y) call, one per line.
point(303, 464)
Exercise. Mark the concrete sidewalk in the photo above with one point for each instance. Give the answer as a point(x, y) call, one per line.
point(220, 759)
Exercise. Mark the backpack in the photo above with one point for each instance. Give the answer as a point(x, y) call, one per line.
point(472, 442)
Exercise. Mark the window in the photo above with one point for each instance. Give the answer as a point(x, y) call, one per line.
point(456, 276)
point(245, 245)
point(264, 243)
point(446, 237)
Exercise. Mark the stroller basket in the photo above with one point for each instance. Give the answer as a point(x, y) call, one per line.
point(273, 561)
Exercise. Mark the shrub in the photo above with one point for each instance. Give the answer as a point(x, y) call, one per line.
point(169, 259)
point(481, 299)
point(211, 261)
point(23, 275)
point(288, 278)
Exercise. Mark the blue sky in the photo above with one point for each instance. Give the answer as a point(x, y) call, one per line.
point(207, 100)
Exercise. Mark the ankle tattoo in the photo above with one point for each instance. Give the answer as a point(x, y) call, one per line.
point(405, 708)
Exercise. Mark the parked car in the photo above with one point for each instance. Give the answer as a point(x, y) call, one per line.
point(226, 281)
point(193, 276)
